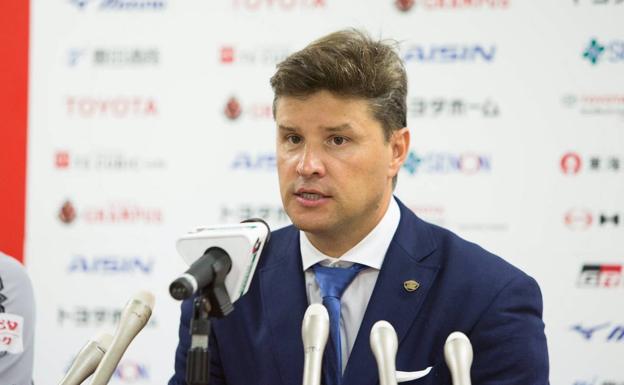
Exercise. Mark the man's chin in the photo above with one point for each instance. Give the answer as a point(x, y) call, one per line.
point(311, 225)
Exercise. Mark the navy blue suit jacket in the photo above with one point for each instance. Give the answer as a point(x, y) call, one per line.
point(462, 288)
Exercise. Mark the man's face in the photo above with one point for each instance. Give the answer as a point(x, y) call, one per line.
point(335, 168)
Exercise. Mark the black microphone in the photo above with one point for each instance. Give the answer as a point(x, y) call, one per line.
point(225, 253)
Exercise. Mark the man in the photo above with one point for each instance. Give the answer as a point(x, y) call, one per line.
point(17, 323)
point(340, 110)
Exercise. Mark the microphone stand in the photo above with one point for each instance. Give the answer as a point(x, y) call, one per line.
point(213, 301)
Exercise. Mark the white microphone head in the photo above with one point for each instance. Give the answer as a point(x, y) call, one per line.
point(133, 319)
point(145, 297)
point(315, 326)
point(384, 344)
point(87, 359)
point(383, 336)
point(458, 356)
point(314, 333)
point(139, 308)
point(103, 340)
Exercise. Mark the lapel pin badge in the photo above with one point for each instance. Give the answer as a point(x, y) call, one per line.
point(411, 285)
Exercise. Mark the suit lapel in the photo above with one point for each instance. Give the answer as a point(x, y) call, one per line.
point(390, 301)
point(285, 301)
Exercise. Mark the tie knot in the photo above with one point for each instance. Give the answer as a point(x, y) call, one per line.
point(334, 280)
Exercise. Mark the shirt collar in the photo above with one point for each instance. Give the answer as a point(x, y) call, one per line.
point(370, 251)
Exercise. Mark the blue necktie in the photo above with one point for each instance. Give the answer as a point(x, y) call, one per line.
point(333, 281)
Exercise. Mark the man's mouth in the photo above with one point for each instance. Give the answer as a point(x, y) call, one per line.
point(310, 195)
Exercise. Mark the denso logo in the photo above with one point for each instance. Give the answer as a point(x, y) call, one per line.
point(449, 53)
point(110, 265)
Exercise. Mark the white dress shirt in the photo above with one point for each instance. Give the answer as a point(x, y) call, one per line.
point(370, 252)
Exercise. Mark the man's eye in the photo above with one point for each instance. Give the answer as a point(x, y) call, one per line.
point(338, 140)
point(294, 139)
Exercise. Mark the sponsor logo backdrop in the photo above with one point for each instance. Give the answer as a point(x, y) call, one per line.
point(148, 118)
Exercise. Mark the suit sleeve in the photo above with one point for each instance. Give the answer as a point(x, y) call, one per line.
point(508, 340)
point(179, 377)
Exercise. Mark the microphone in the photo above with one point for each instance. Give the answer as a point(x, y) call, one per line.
point(133, 318)
point(314, 333)
point(231, 249)
point(87, 360)
point(458, 357)
point(384, 344)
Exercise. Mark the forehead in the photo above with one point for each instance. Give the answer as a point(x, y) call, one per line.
point(323, 108)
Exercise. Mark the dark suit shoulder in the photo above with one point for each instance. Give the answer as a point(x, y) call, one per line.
point(280, 240)
point(464, 267)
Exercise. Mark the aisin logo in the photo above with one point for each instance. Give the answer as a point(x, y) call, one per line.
point(404, 5)
point(232, 109)
point(67, 214)
point(593, 51)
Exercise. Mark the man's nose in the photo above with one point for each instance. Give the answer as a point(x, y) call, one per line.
point(310, 162)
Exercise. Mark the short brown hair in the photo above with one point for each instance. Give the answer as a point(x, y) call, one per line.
point(348, 63)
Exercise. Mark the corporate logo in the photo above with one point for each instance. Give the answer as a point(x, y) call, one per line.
point(105, 161)
point(113, 57)
point(607, 276)
point(449, 53)
point(278, 5)
point(583, 219)
point(607, 332)
point(432, 213)
point(110, 265)
point(441, 216)
point(572, 163)
point(131, 372)
point(611, 51)
point(271, 213)
point(120, 5)
point(407, 5)
point(126, 372)
point(234, 110)
point(467, 163)
point(67, 213)
point(114, 107)
point(599, 3)
point(87, 317)
point(452, 107)
point(595, 104)
point(258, 55)
point(113, 213)
point(262, 161)
point(598, 381)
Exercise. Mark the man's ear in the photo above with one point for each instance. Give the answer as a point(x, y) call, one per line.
point(399, 143)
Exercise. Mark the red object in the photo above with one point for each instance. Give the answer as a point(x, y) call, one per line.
point(14, 32)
